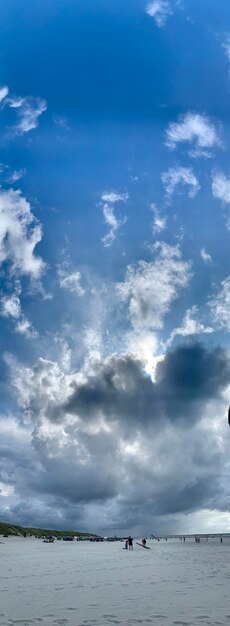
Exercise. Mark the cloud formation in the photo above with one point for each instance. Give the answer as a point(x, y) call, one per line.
point(11, 306)
point(70, 280)
point(28, 112)
point(195, 129)
point(109, 199)
point(163, 452)
point(159, 221)
point(19, 234)
point(113, 416)
point(205, 256)
point(150, 288)
point(160, 10)
point(221, 186)
point(220, 305)
point(3, 93)
point(226, 46)
point(190, 326)
point(180, 175)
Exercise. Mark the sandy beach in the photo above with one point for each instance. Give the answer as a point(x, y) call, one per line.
point(90, 584)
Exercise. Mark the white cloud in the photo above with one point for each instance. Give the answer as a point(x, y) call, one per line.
point(143, 345)
point(113, 223)
point(160, 10)
point(195, 129)
point(15, 102)
point(151, 288)
point(24, 327)
point(109, 198)
point(19, 234)
point(159, 221)
point(220, 305)
point(226, 47)
point(93, 343)
point(11, 306)
point(113, 197)
point(221, 186)
point(177, 175)
point(70, 280)
point(221, 190)
point(205, 256)
point(40, 389)
point(190, 326)
point(3, 93)
point(165, 443)
point(28, 112)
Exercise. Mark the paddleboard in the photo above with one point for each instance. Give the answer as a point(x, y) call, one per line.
point(142, 545)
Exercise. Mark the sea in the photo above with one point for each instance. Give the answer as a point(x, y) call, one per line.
point(95, 584)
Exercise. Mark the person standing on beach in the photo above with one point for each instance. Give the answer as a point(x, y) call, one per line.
point(130, 543)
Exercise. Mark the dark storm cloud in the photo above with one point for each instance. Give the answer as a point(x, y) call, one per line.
point(76, 483)
point(128, 459)
point(192, 497)
point(46, 512)
point(120, 389)
point(117, 388)
point(190, 375)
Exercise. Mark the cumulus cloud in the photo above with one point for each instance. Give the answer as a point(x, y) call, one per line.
point(190, 326)
point(11, 306)
point(150, 288)
point(160, 10)
point(165, 456)
point(195, 129)
point(221, 186)
point(180, 175)
point(117, 389)
point(19, 234)
point(46, 388)
point(109, 199)
point(28, 112)
point(25, 327)
point(220, 305)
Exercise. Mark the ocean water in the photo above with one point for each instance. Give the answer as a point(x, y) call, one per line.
point(96, 584)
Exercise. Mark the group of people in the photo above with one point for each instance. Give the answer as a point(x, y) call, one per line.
point(129, 543)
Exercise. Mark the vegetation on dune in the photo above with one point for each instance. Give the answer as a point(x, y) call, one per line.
point(21, 531)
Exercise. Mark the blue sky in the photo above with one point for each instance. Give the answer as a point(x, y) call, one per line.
point(115, 273)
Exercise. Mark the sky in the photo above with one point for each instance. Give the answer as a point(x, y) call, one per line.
point(114, 265)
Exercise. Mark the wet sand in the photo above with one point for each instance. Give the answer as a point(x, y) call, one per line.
point(97, 584)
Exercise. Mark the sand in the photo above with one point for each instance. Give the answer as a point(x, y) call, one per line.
point(94, 584)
